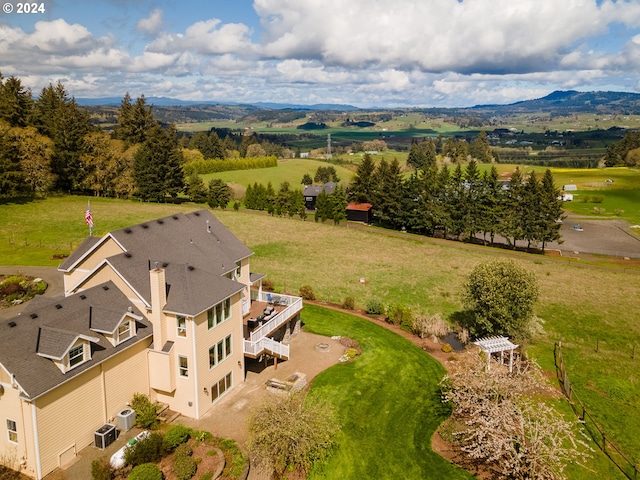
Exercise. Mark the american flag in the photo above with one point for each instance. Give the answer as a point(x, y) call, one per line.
point(88, 218)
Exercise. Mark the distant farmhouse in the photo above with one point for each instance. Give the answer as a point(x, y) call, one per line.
point(167, 308)
point(311, 192)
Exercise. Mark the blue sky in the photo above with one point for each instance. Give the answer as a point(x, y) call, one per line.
point(391, 53)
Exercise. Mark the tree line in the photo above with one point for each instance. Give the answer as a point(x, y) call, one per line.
point(49, 143)
point(461, 202)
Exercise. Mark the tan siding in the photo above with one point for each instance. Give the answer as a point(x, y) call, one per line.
point(11, 408)
point(4, 376)
point(207, 338)
point(105, 274)
point(108, 249)
point(124, 375)
point(68, 416)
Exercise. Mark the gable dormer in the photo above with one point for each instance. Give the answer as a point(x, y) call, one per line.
point(66, 349)
point(116, 328)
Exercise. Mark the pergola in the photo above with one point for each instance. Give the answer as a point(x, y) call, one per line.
point(491, 345)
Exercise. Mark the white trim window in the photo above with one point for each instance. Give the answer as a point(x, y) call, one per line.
point(220, 387)
point(181, 325)
point(125, 331)
point(219, 313)
point(220, 351)
point(77, 355)
point(183, 366)
point(12, 431)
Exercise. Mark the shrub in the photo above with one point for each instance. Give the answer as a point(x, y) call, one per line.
point(146, 471)
point(101, 469)
point(306, 292)
point(446, 348)
point(374, 307)
point(425, 326)
point(147, 450)
point(349, 303)
point(177, 435)
point(183, 465)
point(267, 284)
point(400, 315)
point(146, 412)
point(207, 476)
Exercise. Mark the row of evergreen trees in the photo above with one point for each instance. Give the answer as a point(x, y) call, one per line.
point(290, 202)
point(461, 202)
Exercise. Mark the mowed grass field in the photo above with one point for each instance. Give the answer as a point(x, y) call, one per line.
point(579, 304)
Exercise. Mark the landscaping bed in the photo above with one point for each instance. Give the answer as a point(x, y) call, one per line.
point(16, 289)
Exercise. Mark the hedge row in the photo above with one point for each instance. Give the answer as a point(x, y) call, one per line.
point(202, 167)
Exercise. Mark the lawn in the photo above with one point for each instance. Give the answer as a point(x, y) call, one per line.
point(579, 304)
point(291, 171)
point(387, 401)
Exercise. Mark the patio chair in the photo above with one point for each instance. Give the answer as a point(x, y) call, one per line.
point(269, 299)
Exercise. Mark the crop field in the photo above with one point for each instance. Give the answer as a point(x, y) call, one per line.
point(580, 305)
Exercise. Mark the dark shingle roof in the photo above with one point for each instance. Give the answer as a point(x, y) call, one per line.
point(314, 190)
point(53, 331)
point(82, 249)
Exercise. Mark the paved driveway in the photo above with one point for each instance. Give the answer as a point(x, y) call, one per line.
point(51, 275)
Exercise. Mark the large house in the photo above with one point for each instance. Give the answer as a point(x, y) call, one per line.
point(167, 308)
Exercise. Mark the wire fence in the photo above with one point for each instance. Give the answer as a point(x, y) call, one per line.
point(610, 449)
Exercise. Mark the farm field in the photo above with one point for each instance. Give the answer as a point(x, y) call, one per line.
point(579, 304)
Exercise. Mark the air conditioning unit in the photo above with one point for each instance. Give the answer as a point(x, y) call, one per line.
point(105, 435)
point(126, 419)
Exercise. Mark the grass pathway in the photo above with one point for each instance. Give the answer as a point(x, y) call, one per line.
point(387, 401)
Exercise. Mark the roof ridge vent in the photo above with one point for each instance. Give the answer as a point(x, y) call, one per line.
point(127, 230)
point(105, 287)
point(58, 306)
point(34, 315)
point(83, 297)
point(160, 221)
point(127, 254)
point(12, 324)
point(144, 225)
point(175, 217)
point(191, 267)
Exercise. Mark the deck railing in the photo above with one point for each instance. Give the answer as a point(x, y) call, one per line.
point(294, 305)
point(266, 344)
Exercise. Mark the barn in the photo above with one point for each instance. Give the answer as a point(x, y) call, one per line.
point(360, 212)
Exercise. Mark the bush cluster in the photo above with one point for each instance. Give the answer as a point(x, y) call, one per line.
point(306, 292)
point(184, 466)
point(349, 303)
point(100, 469)
point(146, 471)
point(177, 435)
point(374, 307)
point(147, 450)
point(146, 411)
point(400, 315)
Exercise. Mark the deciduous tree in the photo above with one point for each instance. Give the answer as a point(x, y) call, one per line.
point(499, 297)
point(291, 432)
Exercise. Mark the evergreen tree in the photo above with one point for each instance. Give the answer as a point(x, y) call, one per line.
point(158, 165)
point(417, 157)
point(389, 193)
point(428, 199)
point(511, 222)
point(323, 207)
point(12, 180)
point(490, 202)
point(219, 194)
point(135, 121)
point(196, 189)
point(411, 213)
point(480, 148)
point(531, 210)
point(306, 179)
point(550, 209)
point(457, 203)
point(269, 199)
point(362, 185)
point(16, 104)
point(337, 205)
point(283, 199)
point(472, 198)
point(442, 212)
point(60, 118)
point(33, 152)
